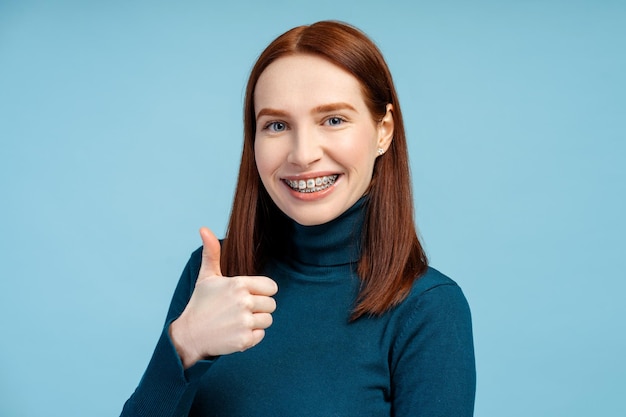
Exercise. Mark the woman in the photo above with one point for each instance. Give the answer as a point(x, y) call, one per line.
point(361, 325)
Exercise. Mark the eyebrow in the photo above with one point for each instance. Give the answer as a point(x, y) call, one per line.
point(272, 112)
point(329, 108)
point(324, 108)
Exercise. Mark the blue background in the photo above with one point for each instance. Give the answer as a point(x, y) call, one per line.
point(120, 134)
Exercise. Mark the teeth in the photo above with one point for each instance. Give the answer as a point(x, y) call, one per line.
point(312, 184)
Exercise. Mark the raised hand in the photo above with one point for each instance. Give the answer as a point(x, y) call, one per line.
point(224, 314)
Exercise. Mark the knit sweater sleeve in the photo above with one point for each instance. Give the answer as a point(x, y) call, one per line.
point(433, 368)
point(166, 389)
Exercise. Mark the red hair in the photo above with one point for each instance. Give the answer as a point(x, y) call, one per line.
point(392, 257)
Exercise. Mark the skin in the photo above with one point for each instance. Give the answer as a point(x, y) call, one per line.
point(225, 314)
point(312, 122)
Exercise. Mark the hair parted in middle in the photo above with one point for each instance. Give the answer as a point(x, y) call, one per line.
point(392, 257)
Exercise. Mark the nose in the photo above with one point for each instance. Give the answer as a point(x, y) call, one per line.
point(306, 148)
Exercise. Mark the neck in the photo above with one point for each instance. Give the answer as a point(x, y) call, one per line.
point(337, 242)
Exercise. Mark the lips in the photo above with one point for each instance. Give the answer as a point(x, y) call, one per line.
point(312, 185)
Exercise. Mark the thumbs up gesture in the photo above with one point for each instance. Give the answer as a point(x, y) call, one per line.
point(224, 314)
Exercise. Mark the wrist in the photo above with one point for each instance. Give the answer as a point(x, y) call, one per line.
point(179, 335)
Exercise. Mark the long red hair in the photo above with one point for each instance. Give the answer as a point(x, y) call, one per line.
point(392, 257)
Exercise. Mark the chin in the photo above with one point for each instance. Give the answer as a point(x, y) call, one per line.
point(312, 216)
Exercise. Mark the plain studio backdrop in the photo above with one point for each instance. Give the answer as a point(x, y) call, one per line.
point(120, 135)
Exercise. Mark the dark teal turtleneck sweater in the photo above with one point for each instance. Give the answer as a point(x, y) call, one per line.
point(415, 360)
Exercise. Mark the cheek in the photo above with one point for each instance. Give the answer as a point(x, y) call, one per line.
point(360, 152)
point(265, 158)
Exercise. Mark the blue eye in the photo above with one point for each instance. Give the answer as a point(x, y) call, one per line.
point(334, 121)
point(276, 126)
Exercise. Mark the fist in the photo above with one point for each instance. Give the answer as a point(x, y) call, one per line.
point(224, 314)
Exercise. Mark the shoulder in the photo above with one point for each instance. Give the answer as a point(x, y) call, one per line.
point(433, 281)
point(435, 315)
point(432, 349)
point(432, 278)
point(435, 296)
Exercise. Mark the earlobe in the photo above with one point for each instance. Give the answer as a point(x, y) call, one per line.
point(385, 129)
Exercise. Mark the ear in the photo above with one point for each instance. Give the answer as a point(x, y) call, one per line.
point(385, 129)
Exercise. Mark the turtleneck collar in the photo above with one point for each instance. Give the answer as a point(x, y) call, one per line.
point(337, 242)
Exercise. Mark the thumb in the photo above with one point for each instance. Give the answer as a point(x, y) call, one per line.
point(210, 254)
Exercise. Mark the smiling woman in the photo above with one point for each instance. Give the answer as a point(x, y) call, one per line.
point(323, 211)
point(313, 124)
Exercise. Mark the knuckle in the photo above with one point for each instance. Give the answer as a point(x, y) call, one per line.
point(246, 321)
point(249, 321)
point(246, 341)
point(238, 283)
point(245, 302)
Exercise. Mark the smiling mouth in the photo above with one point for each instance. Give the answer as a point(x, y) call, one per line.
point(312, 185)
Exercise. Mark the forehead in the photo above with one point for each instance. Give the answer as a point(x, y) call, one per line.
point(303, 80)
